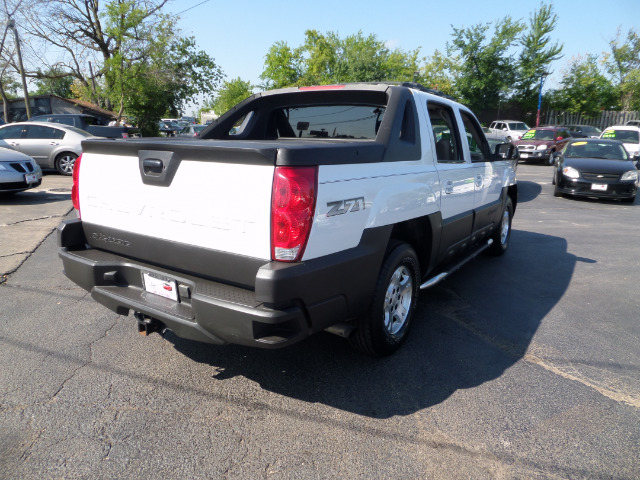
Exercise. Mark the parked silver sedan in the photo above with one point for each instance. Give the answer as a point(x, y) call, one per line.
point(18, 172)
point(50, 145)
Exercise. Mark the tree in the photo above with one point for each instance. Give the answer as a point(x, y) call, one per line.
point(326, 59)
point(283, 66)
point(54, 82)
point(585, 89)
point(126, 55)
point(437, 73)
point(231, 93)
point(485, 73)
point(623, 63)
point(536, 57)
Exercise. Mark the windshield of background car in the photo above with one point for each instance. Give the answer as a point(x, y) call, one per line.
point(603, 150)
point(539, 135)
point(518, 126)
point(359, 122)
point(626, 136)
point(591, 130)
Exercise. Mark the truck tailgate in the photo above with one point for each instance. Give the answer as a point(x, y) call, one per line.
point(212, 204)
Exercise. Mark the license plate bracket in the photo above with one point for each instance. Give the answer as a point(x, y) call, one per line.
point(160, 285)
point(30, 178)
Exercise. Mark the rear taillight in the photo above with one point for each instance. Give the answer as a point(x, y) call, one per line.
point(75, 199)
point(293, 201)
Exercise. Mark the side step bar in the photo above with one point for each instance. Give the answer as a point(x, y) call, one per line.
point(438, 278)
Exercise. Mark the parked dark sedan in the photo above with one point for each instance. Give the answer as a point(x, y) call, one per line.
point(593, 167)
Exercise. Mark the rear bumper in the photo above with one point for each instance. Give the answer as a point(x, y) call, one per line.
point(290, 301)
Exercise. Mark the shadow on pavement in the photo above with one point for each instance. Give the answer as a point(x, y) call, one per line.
point(468, 331)
point(528, 191)
point(30, 197)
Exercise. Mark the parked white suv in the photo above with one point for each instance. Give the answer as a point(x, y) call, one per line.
point(512, 129)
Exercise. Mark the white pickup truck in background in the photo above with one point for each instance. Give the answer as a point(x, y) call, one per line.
point(299, 210)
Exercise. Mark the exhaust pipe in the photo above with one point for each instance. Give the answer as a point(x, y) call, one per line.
point(148, 325)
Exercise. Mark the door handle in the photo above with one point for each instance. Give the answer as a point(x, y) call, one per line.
point(479, 180)
point(54, 143)
point(152, 165)
point(448, 186)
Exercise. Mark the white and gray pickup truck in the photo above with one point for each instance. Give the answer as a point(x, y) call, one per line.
point(299, 210)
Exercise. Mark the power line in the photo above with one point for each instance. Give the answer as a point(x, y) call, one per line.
point(191, 8)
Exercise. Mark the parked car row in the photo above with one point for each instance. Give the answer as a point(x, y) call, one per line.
point(587, 162)
point(28, 147)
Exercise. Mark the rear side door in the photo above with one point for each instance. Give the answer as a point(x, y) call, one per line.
point(39, 141)
point(456, 178)
point(488, 174)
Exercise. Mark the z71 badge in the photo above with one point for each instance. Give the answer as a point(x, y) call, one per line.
point(341, 207)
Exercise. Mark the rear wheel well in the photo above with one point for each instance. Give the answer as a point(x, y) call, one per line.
point(418, 233)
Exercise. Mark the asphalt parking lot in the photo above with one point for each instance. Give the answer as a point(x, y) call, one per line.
point(524, 366)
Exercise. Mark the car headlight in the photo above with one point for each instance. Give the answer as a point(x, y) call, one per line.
point(630, 175)
point(570, 172)
point(541, 147)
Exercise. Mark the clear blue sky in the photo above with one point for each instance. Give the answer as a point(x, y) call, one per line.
point(237, 34)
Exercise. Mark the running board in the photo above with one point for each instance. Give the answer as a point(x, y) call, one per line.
point(438, 278)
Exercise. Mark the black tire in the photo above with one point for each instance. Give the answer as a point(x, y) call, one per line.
point(64, 163)
point(385, 326)
point(502, 233)
point(556, 191)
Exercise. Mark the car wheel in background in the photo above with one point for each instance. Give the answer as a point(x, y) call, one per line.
point(64, 163)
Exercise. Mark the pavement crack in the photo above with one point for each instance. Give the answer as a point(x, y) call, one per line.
point(27, 220)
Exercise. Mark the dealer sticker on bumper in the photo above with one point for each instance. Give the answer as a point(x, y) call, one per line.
point(159, 285)
point(599, 186)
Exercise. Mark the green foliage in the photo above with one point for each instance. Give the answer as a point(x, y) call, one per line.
point(623, 63)
point(585, 90)
point(152, 70)
point(536, 56)
point(437, 73)
point(327, 59)
point(283, 66)
point(486, 70)
point(231, 93)
point(54, 82)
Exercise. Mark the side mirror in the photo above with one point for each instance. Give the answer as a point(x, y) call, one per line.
point(555, 157)
point(504, 129)
point(506, 151)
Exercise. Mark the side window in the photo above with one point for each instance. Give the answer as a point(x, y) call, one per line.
point(12, 131)
point(240, 124)
point(58, 134)
point(445, 133)
point(63, 120)
point(40, 132)
point(478, 146)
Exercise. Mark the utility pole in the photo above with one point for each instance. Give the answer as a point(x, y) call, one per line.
point(12, 25)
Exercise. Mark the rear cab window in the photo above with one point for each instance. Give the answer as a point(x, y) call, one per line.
point(445, 133)
point(358, 122)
